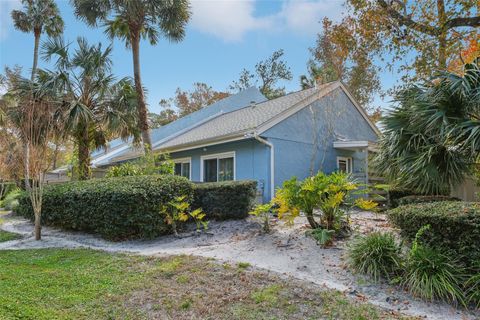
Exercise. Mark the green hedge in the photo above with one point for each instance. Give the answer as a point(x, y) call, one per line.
point(394, 195)
point(225, 200)
point(116, 208)
point(455, 226)
point(424, 199)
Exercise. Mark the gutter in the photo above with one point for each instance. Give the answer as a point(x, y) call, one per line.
point(272, 161)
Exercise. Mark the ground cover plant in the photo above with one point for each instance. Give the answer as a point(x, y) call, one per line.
point(96, 285)
point(377, 255)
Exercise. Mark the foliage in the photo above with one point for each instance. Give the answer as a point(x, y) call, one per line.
point(116, 208)
point(186, 102)
point(431, 138)
point(395, 194)
point(226, 199)
point(377, 255)
point(337, 56)
point(178, 210)
point(10, 202)
point(97, 108)
point(149, 164)
point(132, 21)
point(414, 39)
point(264, 212)
point(473, 286)
point(431, 274)
point(324, 237)
point(8, 236)
point(326, 193)
point(454, 227)
point(423, 199)
point(267, 74)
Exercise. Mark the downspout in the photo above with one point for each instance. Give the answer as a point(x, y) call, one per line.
point(272, 162)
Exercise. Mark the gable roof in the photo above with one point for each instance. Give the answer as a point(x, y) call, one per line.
point(240, 124)
point(120, 149)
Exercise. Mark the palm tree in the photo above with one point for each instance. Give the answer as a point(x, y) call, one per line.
point(432, 137)
point(132, 21)
point(95, 107)
point(38, 16)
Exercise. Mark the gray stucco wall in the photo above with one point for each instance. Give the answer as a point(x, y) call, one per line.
point(252, 161)
point(326, 120)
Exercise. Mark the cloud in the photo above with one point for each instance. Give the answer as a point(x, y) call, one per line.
point(6, 24)
point(230, 20)
point(304, 17)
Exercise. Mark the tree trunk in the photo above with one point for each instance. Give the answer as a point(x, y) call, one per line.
point(83, 154)
point(141, 107)
point(311, 220)
point(38, 226)
point(442, 36)
point(35, 52)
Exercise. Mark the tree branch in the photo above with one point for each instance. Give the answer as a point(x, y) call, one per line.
point(404, 20)
point(463, 22)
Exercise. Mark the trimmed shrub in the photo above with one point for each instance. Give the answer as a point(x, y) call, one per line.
point(454, 226)
point(424, 199)
point(116, 208)
point(473, 286)
point(431, 275)
point(394, 195)
point(225, 200)
point(376, 255)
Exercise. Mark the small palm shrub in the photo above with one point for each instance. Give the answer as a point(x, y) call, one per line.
point(473, 286)
point(377, 255)
point(10, 202)
point(430, 274)
point(264, 212)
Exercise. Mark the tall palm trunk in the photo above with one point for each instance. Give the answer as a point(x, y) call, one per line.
point(36, 32)
point(141, 107)
point(83, 154)
point(26, 150)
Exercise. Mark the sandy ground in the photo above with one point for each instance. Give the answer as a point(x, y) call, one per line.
point(286, 251)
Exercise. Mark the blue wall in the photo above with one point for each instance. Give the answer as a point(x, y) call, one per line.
point(330, 118)
point(252, 161)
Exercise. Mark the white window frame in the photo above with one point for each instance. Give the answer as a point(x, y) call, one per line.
point(348, 160)
point(218, 156)
point(185, 160)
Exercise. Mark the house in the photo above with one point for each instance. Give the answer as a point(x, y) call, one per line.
point(246, 136)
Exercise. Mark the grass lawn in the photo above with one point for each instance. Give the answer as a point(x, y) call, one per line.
point(7, 236)
point(4, 235)
point(86, 284)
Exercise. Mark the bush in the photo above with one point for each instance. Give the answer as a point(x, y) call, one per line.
point(377, 255)
point(424, 199)
point(394, 195)
point(454, 226)
point(147, 165)
point(10, 202)
point(430, 275)
point(116, 208)
point(225, 200)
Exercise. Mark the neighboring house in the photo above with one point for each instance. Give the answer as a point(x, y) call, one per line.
point(247, 137)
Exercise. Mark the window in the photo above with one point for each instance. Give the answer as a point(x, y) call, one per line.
point(218, 167)
point(344, 164)
point(182, 167)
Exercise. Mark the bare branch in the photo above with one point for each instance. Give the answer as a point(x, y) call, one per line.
point(463, 22)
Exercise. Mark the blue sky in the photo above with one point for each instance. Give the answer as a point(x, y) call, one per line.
point(222, 38)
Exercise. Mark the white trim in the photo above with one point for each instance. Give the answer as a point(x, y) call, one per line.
point(360, 109)
point(218, 156)
point(348, 161)
point(317, 94)
point(185, 160)
point(272, 163)
point(241, 136)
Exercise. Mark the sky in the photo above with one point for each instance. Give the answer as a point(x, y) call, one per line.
point(222, 38)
